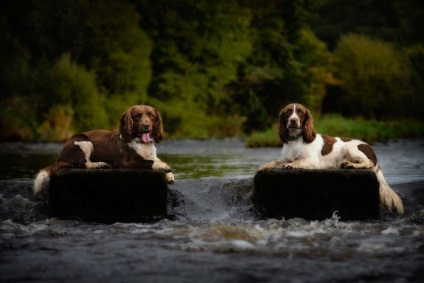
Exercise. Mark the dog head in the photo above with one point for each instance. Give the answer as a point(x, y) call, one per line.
point(296, 121)
point(142, 123)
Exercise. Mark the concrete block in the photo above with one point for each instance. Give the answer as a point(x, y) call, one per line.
point(317, 194)
point(108, 195)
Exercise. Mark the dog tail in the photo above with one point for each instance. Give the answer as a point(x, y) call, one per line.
point(43, 177)
point(388, 197)
point(41, 180)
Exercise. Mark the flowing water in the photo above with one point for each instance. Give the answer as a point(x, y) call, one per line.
point(213, 233)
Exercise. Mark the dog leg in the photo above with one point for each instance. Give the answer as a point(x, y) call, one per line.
point(160, 165)
point(87, 148)
point(306, 163)
point(356, 159)
point(170, 178)
point(271, 165)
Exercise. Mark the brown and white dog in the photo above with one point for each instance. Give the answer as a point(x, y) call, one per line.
point(129, 146)
point(304, 148)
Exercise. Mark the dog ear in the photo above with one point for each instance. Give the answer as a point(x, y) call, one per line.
point(282, 128)
point(126, 126)
point(309, 132)
point(157, 130)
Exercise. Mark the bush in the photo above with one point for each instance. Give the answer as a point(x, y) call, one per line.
point(16, 120)
point(337, 126)
point(376, 78)
point(70, 86)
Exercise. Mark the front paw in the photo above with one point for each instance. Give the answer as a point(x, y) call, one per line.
point(166, 168)
point(170, 178)
point(347, 165)
point(161, 166)
point(272, 164)
point(104, 165)
point(287, 167)
point(261, 168)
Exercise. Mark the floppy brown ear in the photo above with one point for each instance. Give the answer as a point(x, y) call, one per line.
point(126, 126)
point(309, 132)
point(282, 129)
point(157, 130)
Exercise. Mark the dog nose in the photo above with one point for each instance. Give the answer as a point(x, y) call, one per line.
point(145, 126)
point(293, 121)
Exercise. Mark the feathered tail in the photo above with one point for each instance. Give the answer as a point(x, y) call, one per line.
point(388, 197)
point(41, 180)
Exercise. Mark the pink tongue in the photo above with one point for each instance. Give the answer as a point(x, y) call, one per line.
point(146, 137)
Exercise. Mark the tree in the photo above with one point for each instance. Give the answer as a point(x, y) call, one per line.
point(376, 77)
point(198, 46)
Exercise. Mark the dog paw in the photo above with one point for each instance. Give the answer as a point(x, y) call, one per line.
point(270, 165)
point(97, 165)
point(347, 165)
point(170, 178)
point(159, 165)
point(166, 168)
point(261, 168)
point(287, 167)
point(104, 165)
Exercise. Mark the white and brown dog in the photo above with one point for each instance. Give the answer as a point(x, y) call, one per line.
point(304, 148)
point(129, 146)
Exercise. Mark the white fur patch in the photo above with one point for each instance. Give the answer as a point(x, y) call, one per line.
point(88, 149)
point(170, 177)
point(293, 116)
point(145, 150)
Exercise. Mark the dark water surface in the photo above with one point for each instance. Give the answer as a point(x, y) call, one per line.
point(213, 234)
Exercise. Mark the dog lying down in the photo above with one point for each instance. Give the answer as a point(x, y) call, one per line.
point(130, 146)
point(303, 148)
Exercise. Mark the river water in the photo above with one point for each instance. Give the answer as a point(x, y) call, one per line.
point(213, 233)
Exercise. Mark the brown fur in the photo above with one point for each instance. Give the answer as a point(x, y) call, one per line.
point(327, 147)
point(306, 122)
point(297, 128)
point(367, 150)
point(111, 146)
point(133, 120)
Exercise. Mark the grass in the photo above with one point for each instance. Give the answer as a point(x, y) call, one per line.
point(335, 125)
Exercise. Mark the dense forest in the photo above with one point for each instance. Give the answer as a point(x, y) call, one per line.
point(212, 68)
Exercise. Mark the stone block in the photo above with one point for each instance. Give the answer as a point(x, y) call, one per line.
point(108, 195)
point(317, 194)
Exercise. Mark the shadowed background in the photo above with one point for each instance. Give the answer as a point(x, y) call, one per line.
point(212, 68)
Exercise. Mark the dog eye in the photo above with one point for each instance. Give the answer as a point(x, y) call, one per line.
point(137, 116)
point(150, 114)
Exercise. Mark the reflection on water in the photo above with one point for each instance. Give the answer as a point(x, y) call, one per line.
point(214, 234)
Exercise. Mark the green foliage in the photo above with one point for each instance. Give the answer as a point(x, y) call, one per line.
point(15, 120)
point(212, 68)
point(198, 46)
point(335, 125)
point(376, 77)
point(396, 21)
point(74, 60)
point(74, 87)
point(57, 125)
point(287, 63)
point(267, 138)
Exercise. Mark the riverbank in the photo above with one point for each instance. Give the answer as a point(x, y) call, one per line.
point(370, 131)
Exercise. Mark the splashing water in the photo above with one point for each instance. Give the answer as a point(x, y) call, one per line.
point(213, 233)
